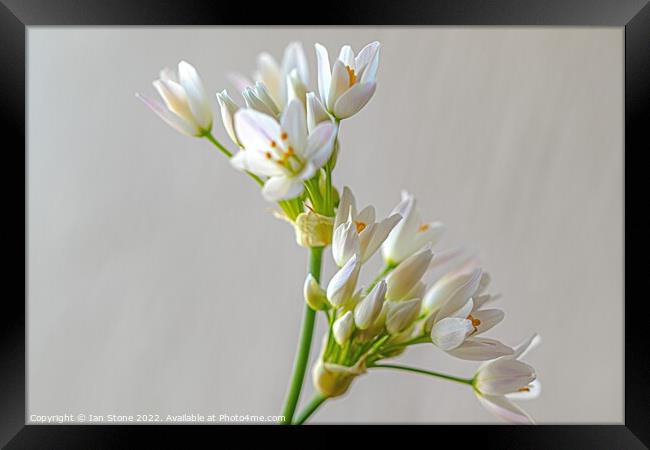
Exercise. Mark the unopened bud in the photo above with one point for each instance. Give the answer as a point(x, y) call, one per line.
point(367, 311)
point(343, 328)
point(314, 294)
point(313, 230)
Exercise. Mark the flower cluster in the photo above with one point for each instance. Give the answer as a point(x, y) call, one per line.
point(286, 139)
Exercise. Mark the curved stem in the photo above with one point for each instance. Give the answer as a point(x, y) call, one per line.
point(304, 346)
point(424, 372)
point(309, 409)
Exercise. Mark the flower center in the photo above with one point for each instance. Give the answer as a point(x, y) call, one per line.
point(360, 226)
point(352, 76)
point(424, 227)
point(524, 389)
point(475, 322)
point(284, 155)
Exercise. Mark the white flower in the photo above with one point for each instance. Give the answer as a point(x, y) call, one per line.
point(343, 328)
point(406, 276)
point(347, 86)
point(275, 77)
point(369, 308)
point(498, 382)
point(341, 287)
point(282, 151)
point(358, 232)
point(411, 233)
point(187, 108)
point(455, 318)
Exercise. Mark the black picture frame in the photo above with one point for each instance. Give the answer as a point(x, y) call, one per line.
point(633, 15)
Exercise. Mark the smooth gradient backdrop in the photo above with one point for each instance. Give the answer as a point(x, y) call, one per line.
point(160, 283)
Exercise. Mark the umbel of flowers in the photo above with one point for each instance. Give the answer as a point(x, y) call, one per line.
point(285, 138)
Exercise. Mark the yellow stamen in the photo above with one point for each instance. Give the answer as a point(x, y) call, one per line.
point(268, 155)
point(524, 389)
point(424, 227)
point(360, 226)
point(352, 77)
point(284, 136)
point(475, 322)
point(273, 144)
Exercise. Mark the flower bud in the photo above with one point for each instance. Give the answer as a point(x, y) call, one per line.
point(367, 311)
point(343, 328)
point(503, 376)
point(341, 287)
point(313, 229)
point(405, 277)
point(345, 243)
point(228, 109)
point(333, 380)
point(401, 315)
point(314, 294)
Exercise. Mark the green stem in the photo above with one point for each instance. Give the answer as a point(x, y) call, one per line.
point(309, 409)
point(424, 372)
point(228, 154)
point(304, 346)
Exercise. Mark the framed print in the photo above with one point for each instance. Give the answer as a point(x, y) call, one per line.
point(412, 215)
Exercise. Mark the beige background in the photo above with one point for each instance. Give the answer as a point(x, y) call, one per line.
point(160, 283)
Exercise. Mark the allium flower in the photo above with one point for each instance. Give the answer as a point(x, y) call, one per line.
point(455, 319)
point(282, 151)
point(498, 382)
point(279, 81)
point(358, 232)
point(187, 108)
point(411, 233)
point(347, 86)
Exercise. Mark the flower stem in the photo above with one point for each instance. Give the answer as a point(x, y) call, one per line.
point(304, 346)
point(228, 154)
point(423, 372)
point(309, 409)
point(388, 268)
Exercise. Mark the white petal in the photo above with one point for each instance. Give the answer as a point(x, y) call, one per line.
point(481, 349)
point(294, 122)
point(464, 310)
point(401, 315)
point(295, 58)
point(503, 376)
point(522, 349)
point(228, 109)
point(530, 392)
point(324, 73)
point(316, 113)
point(343, 328)
point(407, 274)
point(339, 84)
point(462, 294)
point(345, 243)
point(366, 215)
point(399, 244)
point(488, 317)
point(381, 231)
point(197, 99)
point(175, 99)
point(172, 119)
point(256, 163)
point(367, 62)
point(271, 76)
point(347, 207)
point(429, 233)
point(368, 310)
point(168, 74)
point(346, 56)
point(281, 188)
point(256, 130)
point(450, 332)
point(253, 101)
point(262, 93)
point(341, 287)
point(352, 100)
point(320, 144)
point(504, 408)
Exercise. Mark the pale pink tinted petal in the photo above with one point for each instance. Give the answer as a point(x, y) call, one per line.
point(481, 349)
point(324, 73)
point(354, 99)
point(239, 81)
point(281, 188)
point(256, 130)
point(450, 332)
point(320, 144)
point(504, 408)
point(294, 122)
point(197, 100)
point(488, 318)
point(172, 119)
